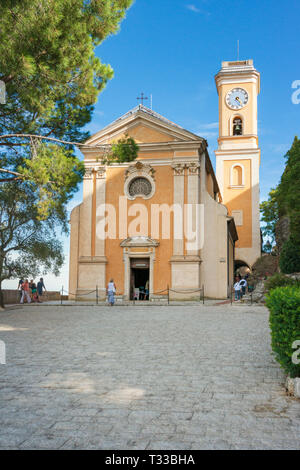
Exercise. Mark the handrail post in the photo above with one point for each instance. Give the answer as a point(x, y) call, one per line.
point(61, 295)
point(96, 295)
point(231, 294)
point(168, 295)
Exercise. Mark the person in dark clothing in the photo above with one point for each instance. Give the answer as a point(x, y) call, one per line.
point(40, 287)
point(20, 284)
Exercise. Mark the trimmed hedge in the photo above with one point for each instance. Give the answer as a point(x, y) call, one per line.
point(280, 280)
point(284, 306)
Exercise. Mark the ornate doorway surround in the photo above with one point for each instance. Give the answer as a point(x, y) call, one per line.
point(138, 247)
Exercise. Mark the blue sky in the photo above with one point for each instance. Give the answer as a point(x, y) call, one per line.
point(173, 48)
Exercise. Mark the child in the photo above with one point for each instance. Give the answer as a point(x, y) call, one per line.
point(243, 284)
point(237, 290)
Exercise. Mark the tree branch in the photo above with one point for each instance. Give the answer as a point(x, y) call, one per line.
point(41, 137)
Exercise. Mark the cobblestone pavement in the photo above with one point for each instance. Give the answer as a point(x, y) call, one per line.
point(185, 377)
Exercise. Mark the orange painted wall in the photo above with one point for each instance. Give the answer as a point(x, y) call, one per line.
point(158, 155)
point(147, 134)
point(240, 199)
point(114, 253)
point(143, 134)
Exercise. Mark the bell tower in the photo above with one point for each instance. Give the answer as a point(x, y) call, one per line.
point(238, 154)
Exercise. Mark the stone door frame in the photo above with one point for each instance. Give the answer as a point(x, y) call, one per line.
point(138, 247)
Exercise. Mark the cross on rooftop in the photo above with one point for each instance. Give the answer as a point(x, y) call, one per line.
point(142, 98)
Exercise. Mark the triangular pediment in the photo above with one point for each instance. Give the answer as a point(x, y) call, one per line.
point(139, 241)
point(145, 126)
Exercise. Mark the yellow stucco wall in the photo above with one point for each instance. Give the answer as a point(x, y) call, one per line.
point(248, 113)
point(240, 199)
point(113, 250)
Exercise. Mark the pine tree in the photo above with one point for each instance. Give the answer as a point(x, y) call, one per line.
point(52, 78)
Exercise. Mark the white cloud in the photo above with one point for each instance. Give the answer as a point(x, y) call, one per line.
point(193, 8)
point(208, 130)
point(207, 134)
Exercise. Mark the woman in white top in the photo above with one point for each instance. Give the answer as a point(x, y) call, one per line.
point(111, 290)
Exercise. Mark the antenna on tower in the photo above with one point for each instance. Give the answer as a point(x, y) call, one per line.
point(238, 49)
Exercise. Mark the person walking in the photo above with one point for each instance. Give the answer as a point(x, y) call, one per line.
point(21, 282)
point(25, 292)
point(40, 287)
point(147, 290)
point(111, 290)
point(237, 290)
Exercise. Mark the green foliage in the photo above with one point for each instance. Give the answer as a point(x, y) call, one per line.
point(289, 261)
point(279, 280)
point(269, 217)
point(51, 73)
point(289, 190)
point(284, 306)
point(53, 177)
point(124, 150)
point(29, 246)
point(284, 199)
point(52, 79)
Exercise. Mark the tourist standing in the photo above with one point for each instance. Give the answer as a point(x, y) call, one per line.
point(111, 290)
point(25, 292)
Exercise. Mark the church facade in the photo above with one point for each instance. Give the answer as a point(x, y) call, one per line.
point(165, 221)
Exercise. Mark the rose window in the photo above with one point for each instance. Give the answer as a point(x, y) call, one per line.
point(140, 187)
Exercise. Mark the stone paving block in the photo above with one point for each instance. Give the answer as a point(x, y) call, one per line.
point(42, 443)
point(183, 377)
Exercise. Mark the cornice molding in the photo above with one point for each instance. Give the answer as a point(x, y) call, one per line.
point(141, 116)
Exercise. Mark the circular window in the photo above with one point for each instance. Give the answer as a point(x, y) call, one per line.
point(140, 187)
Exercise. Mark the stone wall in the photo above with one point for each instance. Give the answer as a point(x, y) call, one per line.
point(282, 231)
point(12, 296)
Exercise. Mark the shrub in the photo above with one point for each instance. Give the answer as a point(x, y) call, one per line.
point(289, 260)
point(264, 266)
point(284, 306)
point(279, 280)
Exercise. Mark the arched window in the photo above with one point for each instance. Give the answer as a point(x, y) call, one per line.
point(237, 175)
point(237, 126)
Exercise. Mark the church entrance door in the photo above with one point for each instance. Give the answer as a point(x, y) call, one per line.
point(139, 279)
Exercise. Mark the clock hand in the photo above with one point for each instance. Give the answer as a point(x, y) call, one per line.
point(238, 99)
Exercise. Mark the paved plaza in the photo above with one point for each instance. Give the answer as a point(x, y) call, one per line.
point(143, 377)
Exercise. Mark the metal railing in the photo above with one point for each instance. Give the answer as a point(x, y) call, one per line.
point(167, 291)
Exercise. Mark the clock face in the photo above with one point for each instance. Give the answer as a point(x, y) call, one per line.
point(237, 98)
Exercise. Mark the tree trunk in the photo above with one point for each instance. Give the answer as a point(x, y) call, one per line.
point(1, 297)
point(1, 293)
